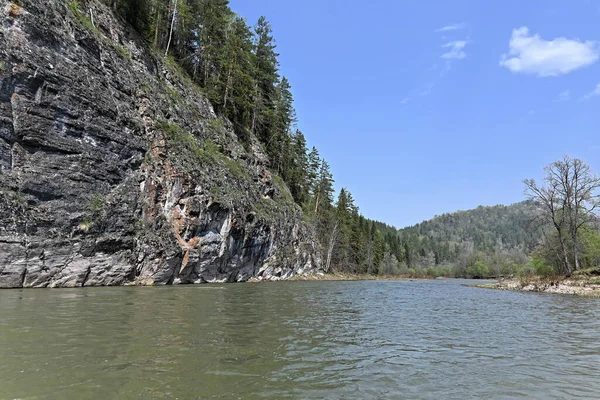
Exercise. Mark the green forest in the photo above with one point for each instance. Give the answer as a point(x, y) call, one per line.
point(236, 65)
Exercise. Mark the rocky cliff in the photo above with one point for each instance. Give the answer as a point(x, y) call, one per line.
point(114, 168)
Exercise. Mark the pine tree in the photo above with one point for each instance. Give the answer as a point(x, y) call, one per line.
point(266, 77)
point(237, 85)
point(324, 187)
point(297, 168)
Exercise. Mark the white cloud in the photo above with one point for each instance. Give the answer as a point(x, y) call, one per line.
point(405, 100)
point(593, 93)
point(456, 50)
point(531, 112)
point(565, 95)
point(530, 54)
point(452, 27)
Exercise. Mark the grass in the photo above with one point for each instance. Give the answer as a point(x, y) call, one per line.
point(87, 23)
point(84, 226)
point(282, 190)
point(192, 152)
point(592, 271)
point(178, 71)
point(216, 123)
point(83, 18)
point(172, 92)
point(185, 144)
point(122, 51)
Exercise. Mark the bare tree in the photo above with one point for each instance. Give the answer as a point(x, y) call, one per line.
point(567, 202)
point(172, 25)
point(332, 241)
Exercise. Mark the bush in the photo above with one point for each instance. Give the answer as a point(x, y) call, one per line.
point(541, 268)
point(96, 204)
point(478, 270)
point(525, 271)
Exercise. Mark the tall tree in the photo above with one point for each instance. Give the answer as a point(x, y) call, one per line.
point(567, 202)
point(266, 77)
point(324, 187)
point(237, 85)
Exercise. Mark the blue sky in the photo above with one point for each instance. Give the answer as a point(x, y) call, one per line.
point(427, 107)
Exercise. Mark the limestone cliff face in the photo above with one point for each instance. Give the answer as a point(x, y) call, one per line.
point(114, 168)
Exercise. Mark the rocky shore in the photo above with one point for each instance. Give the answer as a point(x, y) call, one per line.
point(580, 286)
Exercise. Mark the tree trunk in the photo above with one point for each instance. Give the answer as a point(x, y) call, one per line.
point(157, 26)
point(171, 30)
point(332, 241)
point(229, 73)
point(253, 128)
point(566, 262)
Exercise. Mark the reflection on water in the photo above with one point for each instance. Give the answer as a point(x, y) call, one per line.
point(434, 339)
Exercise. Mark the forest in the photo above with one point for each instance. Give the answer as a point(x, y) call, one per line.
point(236, 65)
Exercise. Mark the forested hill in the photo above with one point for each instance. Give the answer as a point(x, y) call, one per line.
point(486, 227)
point(488, 240)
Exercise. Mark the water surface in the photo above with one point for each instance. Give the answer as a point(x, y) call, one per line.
point(297, 340)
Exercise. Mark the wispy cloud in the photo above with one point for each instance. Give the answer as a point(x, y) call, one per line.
point(531, 112)
point(453, 27)
point(593, 93)
point(404, 100)
point(530, 54)
point(565, 95)
point(427, 89)
point(456, 50)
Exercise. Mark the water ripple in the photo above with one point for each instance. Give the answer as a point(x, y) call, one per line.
point(297, 340)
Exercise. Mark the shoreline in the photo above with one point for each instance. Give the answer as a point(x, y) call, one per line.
point(576, 286)
point(353, 277)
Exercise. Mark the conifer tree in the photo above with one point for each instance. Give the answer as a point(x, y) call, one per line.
point(266, 77)
point(237, 84)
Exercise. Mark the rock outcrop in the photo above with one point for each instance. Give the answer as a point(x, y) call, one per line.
point(114, 168)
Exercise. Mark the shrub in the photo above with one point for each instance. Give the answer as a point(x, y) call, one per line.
point(541, 268)
point(96, 204)
point(84, 226)
point(478, 270)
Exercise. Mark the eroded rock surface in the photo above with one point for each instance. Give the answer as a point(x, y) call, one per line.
point(114, 169)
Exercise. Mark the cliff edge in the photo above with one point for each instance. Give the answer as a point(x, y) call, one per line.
point(114, 168)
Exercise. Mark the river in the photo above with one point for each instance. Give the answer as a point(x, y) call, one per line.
point(327, 340)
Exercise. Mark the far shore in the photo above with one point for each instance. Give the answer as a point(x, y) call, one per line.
point(588, 286)
point(338, 276)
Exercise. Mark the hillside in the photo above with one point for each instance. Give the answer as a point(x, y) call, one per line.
point(486, 227)
point(499, 238)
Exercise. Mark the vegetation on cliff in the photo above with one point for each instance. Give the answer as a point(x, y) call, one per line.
point(236, 66)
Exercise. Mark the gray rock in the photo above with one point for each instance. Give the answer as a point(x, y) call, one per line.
point(94, 187)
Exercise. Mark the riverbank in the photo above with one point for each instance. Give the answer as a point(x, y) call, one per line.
point(576, 285)
point(353, 277)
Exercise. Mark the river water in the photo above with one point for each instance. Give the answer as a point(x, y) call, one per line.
point(323, 340)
